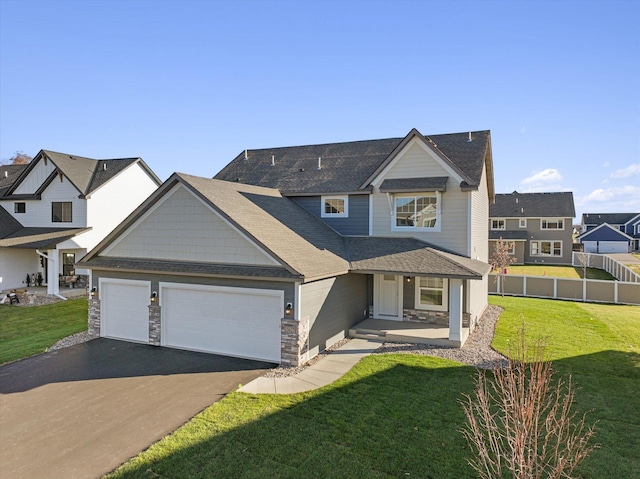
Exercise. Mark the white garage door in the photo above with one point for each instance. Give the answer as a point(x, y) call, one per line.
point(239, 322)
point(614, 247)
point(124, 309)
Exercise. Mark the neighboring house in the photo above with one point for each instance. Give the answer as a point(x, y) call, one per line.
point(58, 207)
point(537, 227)
point(287, 248)
point(606, 241)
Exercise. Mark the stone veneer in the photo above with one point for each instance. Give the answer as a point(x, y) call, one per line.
point(94, 318)
point(294, 344)
point(154, 324)
point(432, 317)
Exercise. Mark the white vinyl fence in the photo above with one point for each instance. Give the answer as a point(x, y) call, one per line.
point(602, 261)
point(589, 290)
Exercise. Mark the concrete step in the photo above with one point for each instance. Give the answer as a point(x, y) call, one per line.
point(370, 334)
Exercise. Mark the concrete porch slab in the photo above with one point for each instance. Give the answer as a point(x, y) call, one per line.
point(406, 332)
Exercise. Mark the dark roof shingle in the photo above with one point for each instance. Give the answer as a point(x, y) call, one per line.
point(533, 205)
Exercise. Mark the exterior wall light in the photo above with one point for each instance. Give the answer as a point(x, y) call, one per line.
point(154, 297)
point(288, 309)
point(408, 279)
point(94, 291)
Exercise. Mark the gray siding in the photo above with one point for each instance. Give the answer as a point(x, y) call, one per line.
point(356, 224)
point(288, 288)
point(333, 305)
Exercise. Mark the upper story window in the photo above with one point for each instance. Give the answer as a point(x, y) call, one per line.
point(498, 224)
point(417, 211)
point(61, 212)
point(335, 207)
point(20, 207)
point(522, 223)
point(552, 224)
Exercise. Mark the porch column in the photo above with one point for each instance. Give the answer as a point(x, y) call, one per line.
point(52, 271)
point(455, 309)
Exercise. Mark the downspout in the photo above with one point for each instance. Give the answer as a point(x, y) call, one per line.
point(40, 253)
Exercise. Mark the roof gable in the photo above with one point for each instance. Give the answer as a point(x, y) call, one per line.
point(85, 174)
point(611, 218)
point(604, 232)
point(350, 167)
point(533, 205)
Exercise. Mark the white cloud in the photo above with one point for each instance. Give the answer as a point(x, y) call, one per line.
point(619, 199)
point(545, 180)
point(632, 169)
point(606, 164)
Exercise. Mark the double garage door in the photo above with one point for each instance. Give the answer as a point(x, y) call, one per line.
point(606, 246)
point(243, 322)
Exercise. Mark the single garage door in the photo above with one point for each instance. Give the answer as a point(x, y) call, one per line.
point(124, 309)
point(242, 322)
point(614, 247)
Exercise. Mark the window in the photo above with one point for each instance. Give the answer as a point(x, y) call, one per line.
point(554, 224)
point(61, 212)
point(546, 248)
point(68, 260)
point(523, 223)
point(420, 211)
point(20, 207)
point(335, 207)
point(431, 293)
point(498, 224)
point(511, 247)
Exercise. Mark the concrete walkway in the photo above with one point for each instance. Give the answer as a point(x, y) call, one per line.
point(323, 372)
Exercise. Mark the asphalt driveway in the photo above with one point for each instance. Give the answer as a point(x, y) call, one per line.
point(80, 412)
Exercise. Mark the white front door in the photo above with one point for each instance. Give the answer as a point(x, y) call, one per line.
point(387, 301)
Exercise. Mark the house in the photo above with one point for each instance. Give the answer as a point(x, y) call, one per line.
point(58, 207)
point(287, 248)
point(537, 227)
point(621, 235)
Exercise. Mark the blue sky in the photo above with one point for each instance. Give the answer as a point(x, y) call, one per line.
point(187, 85)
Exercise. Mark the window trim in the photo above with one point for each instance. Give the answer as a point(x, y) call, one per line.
point(498, 228)
point(345, 200)
point(522, 223)
point(21, 203)
point(394, 211)
point(538, 252)
point(445, 296)
point(62, 212)
point(545, 221)
point(511, 247)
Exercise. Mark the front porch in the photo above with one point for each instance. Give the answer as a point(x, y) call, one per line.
point(407, 332)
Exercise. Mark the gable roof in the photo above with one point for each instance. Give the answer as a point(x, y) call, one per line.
point(533, 205)
point(307, 248)
point(8, 224)
point(604, 232)
point(86, 174)
point(611, 218)
point(349, 167)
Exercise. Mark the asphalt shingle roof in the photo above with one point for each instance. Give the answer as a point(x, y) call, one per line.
point(8, 175)
point(8, 224)
point(409, 256)
point(345, 166)
point(533, 205)
point(611, 218)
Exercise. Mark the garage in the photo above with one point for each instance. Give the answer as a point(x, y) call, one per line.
point(124, 309)
point(241, 322)
point(606, 247)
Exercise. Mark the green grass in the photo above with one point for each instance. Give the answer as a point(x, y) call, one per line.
point(26, 331)
point(599, 345)
point(398, 415)
point(558, 271)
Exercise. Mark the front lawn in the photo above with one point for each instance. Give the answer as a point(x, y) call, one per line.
point(398, 415)
point(26, 331)
point(558, 271)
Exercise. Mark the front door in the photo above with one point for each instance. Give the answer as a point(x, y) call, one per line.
point(387, 297)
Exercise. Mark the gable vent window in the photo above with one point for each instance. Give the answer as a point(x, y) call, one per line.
point(335, 207)
point(61, 212)
point(20, 207)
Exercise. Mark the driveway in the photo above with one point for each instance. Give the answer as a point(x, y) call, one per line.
point(82, 411)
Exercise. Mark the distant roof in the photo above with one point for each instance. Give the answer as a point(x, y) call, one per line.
point(604, 232)
point(495, 235)
point(8, 175)
point(86, 174)
point(306, 246)
point(533, 205)
point(346, 167)
point(611, 218)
